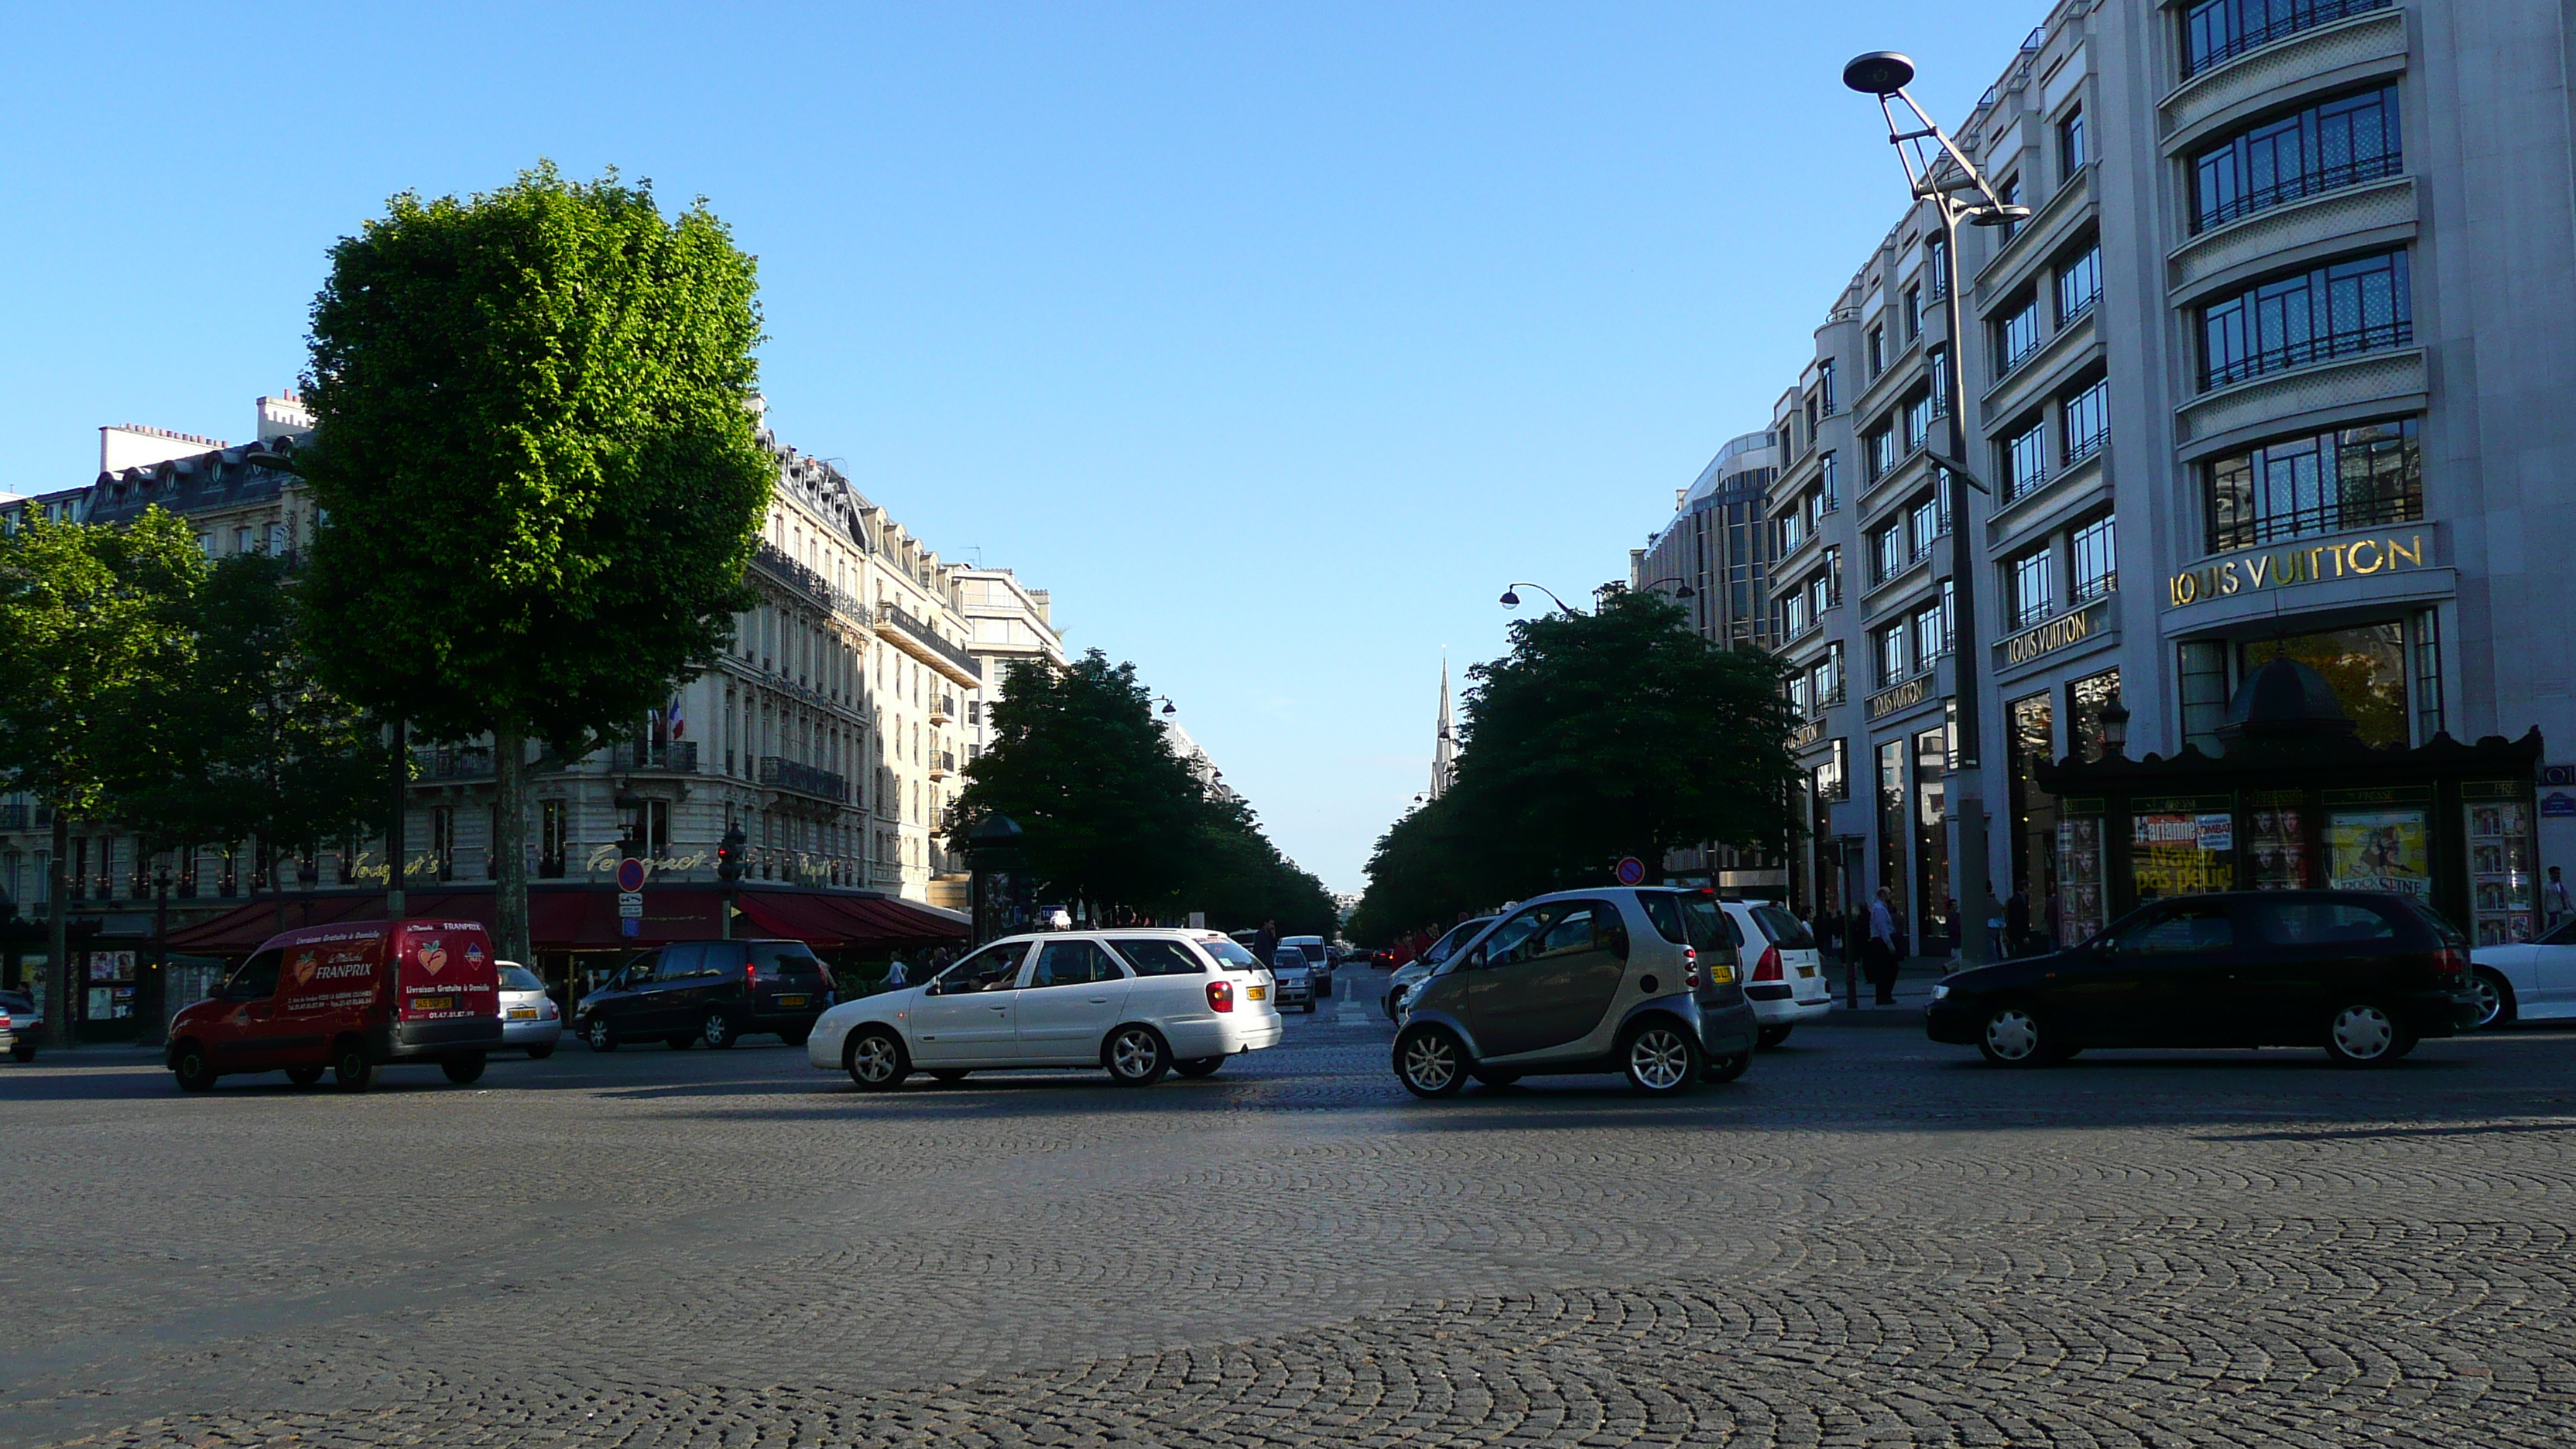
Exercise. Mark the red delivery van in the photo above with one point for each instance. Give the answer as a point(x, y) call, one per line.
point(350, 998)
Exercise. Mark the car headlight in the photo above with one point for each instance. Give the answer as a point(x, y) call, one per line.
point(1941, 992)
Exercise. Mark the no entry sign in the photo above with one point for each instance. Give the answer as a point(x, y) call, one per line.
point(1630, 870)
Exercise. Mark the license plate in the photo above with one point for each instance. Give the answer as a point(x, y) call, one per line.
point(433, 1003)
point(523, 1013)
point(1259, 993)
point(791, 1001)
point(1806, 971)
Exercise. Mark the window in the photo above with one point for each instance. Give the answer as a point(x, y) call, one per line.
point(2356, 477)
point(2033, 587)
point(1913, 312)
point(2071, 154)
point(2428, 679)
point(2332, 311)
point(2086, 698)
point(1923, 523)
point(1833, 671)
point(1792, 616)
point(995, 968)
point(2017, 336)
point(2219, 30)
point(2026, 460)
point(1832, 578)
point(2079, 284)
point(2097, 564)
point(2180, 928)
point(2318, 923)
point(1887, 653)
point(1820, 596)
point(2088, 420)
point(1801, 696)
point(1936, 261)
point(1886, 553)
point(2008, 191)
point(241, 540)
point(1073, 963)
point(1829, 496)
point(1936, 364)
point(1153, 957)
point(1793, 530)
point(2333, 144)
point(1877, 351)
point(2203, 671)
point(1932, 632)
point(1881, 456)
point(1825, 386)
point(1918, 420)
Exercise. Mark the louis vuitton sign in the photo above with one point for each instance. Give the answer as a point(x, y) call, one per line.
point(2281, 567)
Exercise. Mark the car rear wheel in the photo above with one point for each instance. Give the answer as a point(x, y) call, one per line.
point(24, 1051)
point(1197, 1067)
point(350, 1069)
point(717, 1031)
point(1774, 1035)
point(304, 1076)
point(877, 1061)
point(1136, 1056)
point(1661, 1059)
point(2014, 1036)
point(462, 1070)
point(599, 1035)
point(192, 1069)
point(1726, 1068)
point(540, 1053)
point(1430, 1061)
point(2364, 1035)
point(2495, 999)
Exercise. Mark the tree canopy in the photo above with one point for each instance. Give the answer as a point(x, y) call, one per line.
point(1621, 732)
point(535, 442)
point(1112, 815)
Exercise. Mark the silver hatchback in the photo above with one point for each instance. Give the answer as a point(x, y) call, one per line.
point(530, 1020)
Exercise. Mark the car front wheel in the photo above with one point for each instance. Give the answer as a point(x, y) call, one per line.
point(1662, 1059)
point(350, 1069)
point(462, 1070)
point(2014, 1036)
point(877, 1061)
point(1430, 1061)
point(2495, 999)
point(1136, 1056)
point(717, 1031)
point(194, 1072)
point(599, 1036)
point(2364, 1035)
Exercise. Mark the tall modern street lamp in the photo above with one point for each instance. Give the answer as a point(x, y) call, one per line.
point(1682, 590)
point(1512, 598)
point(1937, 171)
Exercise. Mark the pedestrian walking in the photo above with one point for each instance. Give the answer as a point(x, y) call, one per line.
point(1879, 956)
point(1265, 942)
point(896, 976)
point(2017, 922)
point(1951, 928)
point(2554, 904)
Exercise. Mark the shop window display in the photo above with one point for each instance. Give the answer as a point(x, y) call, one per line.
point(2366, 667)
point(2183, 847)
point(2277, 853)
point(2500, 883)
point(2079, 867)
point(2379, 850)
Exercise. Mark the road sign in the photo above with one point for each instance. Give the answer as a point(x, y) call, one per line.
point(630, 905)
point(630, 927)
point(2558, 803)
point(1630, 870)
point(630, 874)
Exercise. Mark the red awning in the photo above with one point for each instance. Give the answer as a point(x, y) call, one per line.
point(824, 918)
point(584, 917)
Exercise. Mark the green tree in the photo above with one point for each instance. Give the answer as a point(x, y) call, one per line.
point(94, 622)
point(535, 442)
point(1621, 732)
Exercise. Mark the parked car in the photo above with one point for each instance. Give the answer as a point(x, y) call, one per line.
point(530, 1020)
point(348, 998)
point(2361, 974)
point(1136, 1002)
point(1319, 958)
point(24, 1027)
point(1634, 980)
point(1409, 977)
point(715, 992)
point(1292, 980)
point(2528, 981)
point(1783, 975)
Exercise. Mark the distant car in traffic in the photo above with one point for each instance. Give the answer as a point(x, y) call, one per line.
point(1636, 980)
point(347, 998)
point(1292, 979)
point(530, 1020)
point(710, 992)
point(1782, 971)
point(1319, 960)
point(1136, 1002)
point(23, 1027)
point(2361, 974)
point(1409, 977)
point(2528, 981)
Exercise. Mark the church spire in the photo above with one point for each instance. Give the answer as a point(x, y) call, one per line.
point(1444, 750)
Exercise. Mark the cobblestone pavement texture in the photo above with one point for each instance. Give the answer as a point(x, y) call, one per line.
point(1869, 1240)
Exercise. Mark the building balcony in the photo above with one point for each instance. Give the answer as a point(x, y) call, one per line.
point(915, 636)
point(670, 757)
point(452, 763)
point(943, 708)
point(942, 765)
point(801, 779)
point(13, 816)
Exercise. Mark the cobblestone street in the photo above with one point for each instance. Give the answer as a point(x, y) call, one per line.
point(1870, 1240)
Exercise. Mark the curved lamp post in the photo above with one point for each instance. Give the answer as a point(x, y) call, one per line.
point(1683, 591)
point(1512, 598)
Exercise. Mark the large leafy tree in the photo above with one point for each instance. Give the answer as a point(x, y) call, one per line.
point(1621, 732)
point(95, 626)
point(535, 442)
point(1111, 815)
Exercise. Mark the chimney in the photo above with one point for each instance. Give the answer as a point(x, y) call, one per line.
point(284, 416)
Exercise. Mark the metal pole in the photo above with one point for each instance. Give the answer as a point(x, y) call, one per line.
point(394, 842)
point(1963, 793)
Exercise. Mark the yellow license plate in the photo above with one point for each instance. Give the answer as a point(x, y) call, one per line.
point(791, 1001)
point(1260, 993)
point(1806, 971)
point(433, 1003)
point(523, 1013)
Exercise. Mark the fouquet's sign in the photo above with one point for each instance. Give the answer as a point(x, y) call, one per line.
point(2280, 567)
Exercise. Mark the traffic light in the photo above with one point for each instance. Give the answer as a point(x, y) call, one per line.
point(729, 853)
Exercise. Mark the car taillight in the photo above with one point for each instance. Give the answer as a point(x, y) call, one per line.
point(1769, 968)
point(2452, 962)
point(750, 974)
point(1690, 968)
point(1220, 996)
point(549, 1012)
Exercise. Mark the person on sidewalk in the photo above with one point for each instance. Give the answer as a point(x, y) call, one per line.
point(1952, 930)
point(1879, 957)
point(2017, 922)
point(2555, 906)
point(1265, 942)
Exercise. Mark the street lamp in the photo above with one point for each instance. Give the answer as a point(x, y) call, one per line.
point(1168, 706)
point(1685, 591)
point(1512, 598)
point(1937, 171)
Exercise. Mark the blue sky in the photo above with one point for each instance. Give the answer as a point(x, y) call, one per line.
point(1274, 339)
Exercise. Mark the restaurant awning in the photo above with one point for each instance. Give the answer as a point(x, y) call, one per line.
point(583, 917)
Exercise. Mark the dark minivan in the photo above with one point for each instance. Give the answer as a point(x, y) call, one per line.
point(708, 991)
point(2364, 975)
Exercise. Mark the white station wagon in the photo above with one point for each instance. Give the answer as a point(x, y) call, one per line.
point(1136, 1002)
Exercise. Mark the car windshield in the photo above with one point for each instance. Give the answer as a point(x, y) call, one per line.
point(1688, 920)
point(1313, 953)
point(1447, 946)
point(1288, 959)
point(1786, 931)
point(518, 978)
point(1228, 952)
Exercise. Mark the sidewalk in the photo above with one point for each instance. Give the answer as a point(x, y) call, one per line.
point(1914, 983)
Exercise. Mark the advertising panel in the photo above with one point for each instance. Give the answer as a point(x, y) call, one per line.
point(447, 971)
point(2500, 883)
point(332, 972)
point(2170, 854)
point(2079, 885)
point(2280, 848)
point(2379, 850)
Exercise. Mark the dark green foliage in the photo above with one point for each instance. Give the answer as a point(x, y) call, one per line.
point(1112, 816)
point(1603, 735)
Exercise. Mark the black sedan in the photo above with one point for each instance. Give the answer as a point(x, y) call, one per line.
point(2363, 975)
